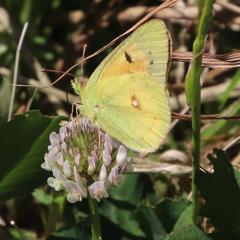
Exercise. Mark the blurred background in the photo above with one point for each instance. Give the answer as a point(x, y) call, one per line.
point(55, 37)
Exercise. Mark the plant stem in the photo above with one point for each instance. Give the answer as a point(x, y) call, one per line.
point(195, 160)
point(16, 66)
point(95, 220)
point(193, 94)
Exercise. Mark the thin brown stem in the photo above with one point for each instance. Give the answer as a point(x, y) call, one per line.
point(187, 117)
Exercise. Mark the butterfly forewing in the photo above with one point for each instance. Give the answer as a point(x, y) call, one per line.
point(147, 49)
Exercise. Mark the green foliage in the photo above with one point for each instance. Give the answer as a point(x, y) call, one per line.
point(172, 211)
point(188, 233)
point(23, 147)
point(123, 218)
point(134, 194)
point(185, 218)
point(20, 234)
point(43, 197)
point(145, 220)
point(151, 224)
point(74, 232)
point(225, 96)
point(5, 90)
point(222, 127)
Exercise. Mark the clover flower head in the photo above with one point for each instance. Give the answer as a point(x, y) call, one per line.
point(84, 160)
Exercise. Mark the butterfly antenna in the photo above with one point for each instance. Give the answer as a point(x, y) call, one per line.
point(56, 71)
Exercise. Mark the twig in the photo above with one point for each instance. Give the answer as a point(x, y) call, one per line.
point(187, 117)
point(229, 6)
point(233, 142)
point(149, 166)
point(16, 66)
point(227, 60)
point(176, 120)
point(55, 71)
point(52, 91)
point(29, 104)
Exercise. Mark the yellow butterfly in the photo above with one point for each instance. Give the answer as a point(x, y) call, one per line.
point(126, 94)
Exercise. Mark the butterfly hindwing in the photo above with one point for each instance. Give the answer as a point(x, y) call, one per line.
point(136, 114)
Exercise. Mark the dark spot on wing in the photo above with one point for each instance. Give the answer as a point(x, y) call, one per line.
point(149, 52)
point(151, 62)
point(128, 57)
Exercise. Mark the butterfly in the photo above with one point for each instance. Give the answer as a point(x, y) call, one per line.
point(126, 95)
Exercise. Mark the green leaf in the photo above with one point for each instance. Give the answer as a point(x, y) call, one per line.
point(223, 126)
point(122, 218)
point(185, 219)
point(150, 223)
point(191, 232)
point(134, 193)
point(169, 211)
point(73, 232)
point(5, 93)
point(221, 192)
point(26, 11)
point(234, 82)
point(24, 142)
point(43, 197)
point(22, 234)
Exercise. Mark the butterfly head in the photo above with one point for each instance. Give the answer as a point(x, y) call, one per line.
point(84, 108)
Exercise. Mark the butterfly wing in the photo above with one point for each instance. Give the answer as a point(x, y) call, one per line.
point(147, 48)
point(126, 94)
point(135, 111)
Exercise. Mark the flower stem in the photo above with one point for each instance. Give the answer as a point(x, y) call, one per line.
point(193, 94)
point(95, 220)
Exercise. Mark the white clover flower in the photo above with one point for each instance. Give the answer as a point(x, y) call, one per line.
point(75, 191)
point(58, 182)
point(84, 160)
point(66, 169)
point(103, 173)
point(121, 155)
point(98, 190)
point(114, 176)
point(106, 157)
point(54, 183)
point(91, 165)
